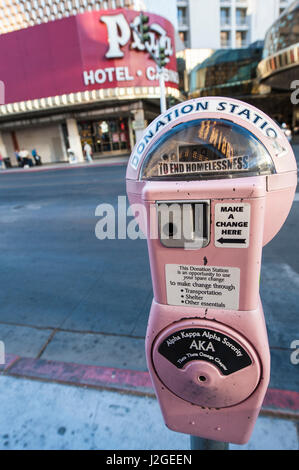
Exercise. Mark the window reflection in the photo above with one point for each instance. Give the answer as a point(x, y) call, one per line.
point(284, 32)
point(226, 67)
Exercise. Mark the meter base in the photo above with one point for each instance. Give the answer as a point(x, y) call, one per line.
point(226, 404)
point(226, 425)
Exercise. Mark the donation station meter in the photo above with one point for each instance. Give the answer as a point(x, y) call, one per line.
point(215, 178)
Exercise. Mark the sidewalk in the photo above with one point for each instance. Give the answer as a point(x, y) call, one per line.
point(74, 406)
point(43, 416)
point(106, 161)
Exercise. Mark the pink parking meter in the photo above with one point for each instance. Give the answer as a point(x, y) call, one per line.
point(214, 180)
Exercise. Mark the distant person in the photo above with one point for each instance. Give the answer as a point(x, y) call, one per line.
point(7, 162)
point(88, 151)
point(36, 157)
point(19, 159)
point(26, 160)
point(4, 162)
point(72, 156)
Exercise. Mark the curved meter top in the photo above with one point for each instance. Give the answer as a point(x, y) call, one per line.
point(204, 149)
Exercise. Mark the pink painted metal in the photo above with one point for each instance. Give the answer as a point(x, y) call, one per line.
point(230, 423)
point(225, 406)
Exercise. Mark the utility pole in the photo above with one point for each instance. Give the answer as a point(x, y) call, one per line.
point(160, 61)
point(161, 64)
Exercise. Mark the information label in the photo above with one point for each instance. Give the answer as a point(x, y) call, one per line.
point(232, 225)
point(206, 345)
point(203, 286)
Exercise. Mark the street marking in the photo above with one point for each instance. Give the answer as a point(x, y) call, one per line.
point(296, 198)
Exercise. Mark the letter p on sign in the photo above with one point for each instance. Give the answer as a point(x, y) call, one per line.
point(119, 34)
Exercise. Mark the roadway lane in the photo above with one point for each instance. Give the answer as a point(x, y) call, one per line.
point(56, 274)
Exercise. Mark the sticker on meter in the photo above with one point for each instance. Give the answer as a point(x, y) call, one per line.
point(232, 225)
point(205, 345)
point(203, 286)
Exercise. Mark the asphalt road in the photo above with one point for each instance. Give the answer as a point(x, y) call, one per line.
point(68, 296)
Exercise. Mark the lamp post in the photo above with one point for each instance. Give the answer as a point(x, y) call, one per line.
point(160, 61)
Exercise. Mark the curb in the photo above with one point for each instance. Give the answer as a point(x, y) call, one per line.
point(137, 382)
point(16, 171)
point(277, 403)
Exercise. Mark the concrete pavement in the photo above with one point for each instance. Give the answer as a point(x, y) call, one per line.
point(41, 416)
point(74, 311)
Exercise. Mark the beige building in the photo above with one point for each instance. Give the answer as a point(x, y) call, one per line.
point(226, 23)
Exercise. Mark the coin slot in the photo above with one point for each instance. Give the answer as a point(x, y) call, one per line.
point(169, 230)
point(202, 378)
point(184, 224)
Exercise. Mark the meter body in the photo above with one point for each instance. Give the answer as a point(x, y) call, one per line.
point(215, 178)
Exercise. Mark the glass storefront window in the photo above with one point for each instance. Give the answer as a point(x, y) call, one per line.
point(104, 127)
point(105, 136)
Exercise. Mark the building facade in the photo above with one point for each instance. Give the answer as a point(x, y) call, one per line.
point(264, 74)
point(81, 75)
point(229, 72)
point(20, 14)
point(226, 23)
point(278, 71)
point(280, 64)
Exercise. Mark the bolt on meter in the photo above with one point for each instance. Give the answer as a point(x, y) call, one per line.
point(217, 179)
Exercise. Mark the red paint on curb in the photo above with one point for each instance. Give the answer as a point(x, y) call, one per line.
point(80, 374)
point(10, 359)
point(282, 399)
point(136, 379)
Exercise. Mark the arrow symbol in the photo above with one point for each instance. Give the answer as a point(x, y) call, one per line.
point(241, 241)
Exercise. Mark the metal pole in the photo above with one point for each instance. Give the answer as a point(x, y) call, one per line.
point(163, 107)
point(197, 443)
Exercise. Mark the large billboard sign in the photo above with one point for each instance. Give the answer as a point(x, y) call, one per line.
point(93, 50)
point(132, 63)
